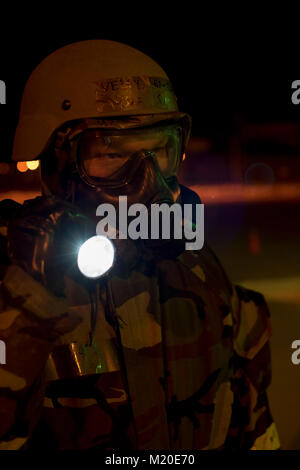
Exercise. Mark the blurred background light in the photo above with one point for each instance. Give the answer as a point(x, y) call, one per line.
point(33, 165)
point(22, 167)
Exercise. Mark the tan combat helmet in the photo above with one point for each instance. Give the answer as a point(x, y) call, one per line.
point(92, 79)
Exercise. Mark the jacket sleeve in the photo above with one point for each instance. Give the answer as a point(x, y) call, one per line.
point(252, 425)
point(31, 320)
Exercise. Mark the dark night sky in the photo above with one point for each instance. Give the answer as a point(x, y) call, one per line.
point(212, 88)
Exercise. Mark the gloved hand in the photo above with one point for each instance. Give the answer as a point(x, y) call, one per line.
point(43, 239)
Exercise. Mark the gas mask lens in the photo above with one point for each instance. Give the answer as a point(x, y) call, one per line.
point(102, 153)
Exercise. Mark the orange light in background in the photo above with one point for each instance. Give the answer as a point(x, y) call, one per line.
point(183, 158)
point(33, 165)
point(22, 167)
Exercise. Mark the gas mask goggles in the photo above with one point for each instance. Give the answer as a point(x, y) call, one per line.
point(107, 157)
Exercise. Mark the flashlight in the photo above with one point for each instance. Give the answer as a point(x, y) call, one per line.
point(95, 256)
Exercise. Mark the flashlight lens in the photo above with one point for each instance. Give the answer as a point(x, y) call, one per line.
point(95, 256)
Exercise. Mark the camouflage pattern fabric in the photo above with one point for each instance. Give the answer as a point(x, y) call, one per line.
point(179, 359)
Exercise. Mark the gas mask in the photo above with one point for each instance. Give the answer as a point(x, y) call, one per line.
point(89, 164)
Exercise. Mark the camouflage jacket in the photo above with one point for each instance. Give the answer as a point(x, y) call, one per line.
point(178, 358)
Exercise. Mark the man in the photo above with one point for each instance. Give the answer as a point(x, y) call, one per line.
point(162, 352)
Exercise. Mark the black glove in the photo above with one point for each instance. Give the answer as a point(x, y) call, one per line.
point(44, 237)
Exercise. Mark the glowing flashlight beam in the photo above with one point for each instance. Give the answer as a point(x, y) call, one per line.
point(95, 256)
